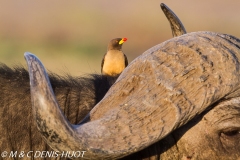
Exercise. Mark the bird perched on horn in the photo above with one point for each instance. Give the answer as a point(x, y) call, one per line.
point(114, 61)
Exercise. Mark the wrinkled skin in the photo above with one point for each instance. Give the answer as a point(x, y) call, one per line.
point(214, 135)
point(163, 97)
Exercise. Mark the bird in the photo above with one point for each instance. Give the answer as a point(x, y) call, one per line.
point(114, 61)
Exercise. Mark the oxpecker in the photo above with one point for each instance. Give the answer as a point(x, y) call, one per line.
point(114, 61)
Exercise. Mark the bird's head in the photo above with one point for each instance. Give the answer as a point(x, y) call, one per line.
point(116, 44)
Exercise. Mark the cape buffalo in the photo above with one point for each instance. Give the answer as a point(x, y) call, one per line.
point(75, 95)
point(178, 100)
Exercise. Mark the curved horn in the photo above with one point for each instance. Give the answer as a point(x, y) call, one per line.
point(42, 95)
point(158, 92)
point(175, 23)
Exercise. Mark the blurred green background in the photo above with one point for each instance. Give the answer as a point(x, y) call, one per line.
point(72, 36)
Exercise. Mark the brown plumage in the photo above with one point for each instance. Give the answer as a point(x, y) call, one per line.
point(114, 61)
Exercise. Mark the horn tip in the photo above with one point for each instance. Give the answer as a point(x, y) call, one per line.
point(162, 5)
point(26, 54)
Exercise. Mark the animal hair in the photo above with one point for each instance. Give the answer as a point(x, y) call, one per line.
point(76, 97)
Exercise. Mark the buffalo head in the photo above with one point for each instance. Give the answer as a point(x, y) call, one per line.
point(157, 94)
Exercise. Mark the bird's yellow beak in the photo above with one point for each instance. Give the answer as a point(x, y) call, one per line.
point(123, 40)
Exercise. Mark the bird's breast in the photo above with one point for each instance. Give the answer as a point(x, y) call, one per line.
point(114, 63)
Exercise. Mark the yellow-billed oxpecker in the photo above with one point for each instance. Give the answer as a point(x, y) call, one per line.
point(114, 61)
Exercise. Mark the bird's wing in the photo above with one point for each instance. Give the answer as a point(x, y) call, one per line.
point(103, 62)
point(126, 60)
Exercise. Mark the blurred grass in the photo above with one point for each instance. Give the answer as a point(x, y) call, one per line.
point(72, 36)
